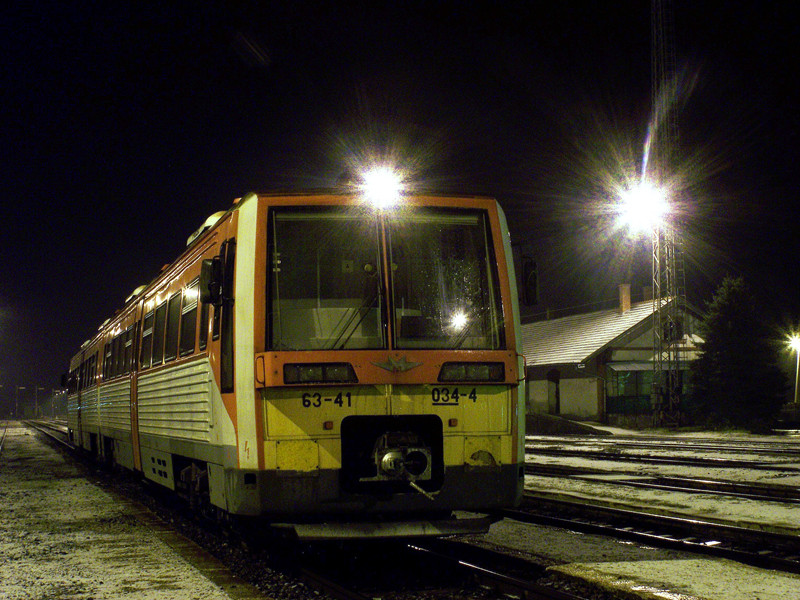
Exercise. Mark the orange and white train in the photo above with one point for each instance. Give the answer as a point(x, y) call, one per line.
point(323, 365)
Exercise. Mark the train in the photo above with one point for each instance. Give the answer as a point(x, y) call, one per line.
point(334, 369)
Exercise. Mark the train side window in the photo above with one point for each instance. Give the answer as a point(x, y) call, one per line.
point(94, 367)
point(127, 353)
point(117, 356)
point(189, 318)
point(147, 340)
point(82, 375)
point(158, 334)
point(204, 326)
point(107, 361)
point(173, 322)
point(226, 327)
point(90, 370)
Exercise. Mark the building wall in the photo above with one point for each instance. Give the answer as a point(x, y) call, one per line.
point(579, 398)
point(538, 396)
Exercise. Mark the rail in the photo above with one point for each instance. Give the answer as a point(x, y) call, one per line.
point(749, 546)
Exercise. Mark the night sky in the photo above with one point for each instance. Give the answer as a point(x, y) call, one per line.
point(126, 124)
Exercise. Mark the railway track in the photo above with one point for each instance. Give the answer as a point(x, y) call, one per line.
point(661, 460)
point(442, 565)
point(750, 491)
point(54, 431)
point(673, 444)
point(749, 546)
point(508, 575)
point(3, 438)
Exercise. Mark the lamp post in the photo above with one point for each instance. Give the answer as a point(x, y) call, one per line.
point(16, 399)
point(794, 344)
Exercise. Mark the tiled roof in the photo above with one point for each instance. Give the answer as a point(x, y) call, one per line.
point(575, 338)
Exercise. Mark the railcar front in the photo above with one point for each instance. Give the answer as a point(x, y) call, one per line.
point(385, 370)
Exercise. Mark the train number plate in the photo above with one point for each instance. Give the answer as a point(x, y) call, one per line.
point(331, 398)
point(453, 396)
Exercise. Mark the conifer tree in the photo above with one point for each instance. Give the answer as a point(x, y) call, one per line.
point(736, 380)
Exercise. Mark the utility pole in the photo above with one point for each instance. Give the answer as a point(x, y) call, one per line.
point(16, 399)
point(669, 279)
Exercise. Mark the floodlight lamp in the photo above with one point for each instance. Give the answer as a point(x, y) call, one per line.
point(643, 208)
point(794, 342)
point(382, 187)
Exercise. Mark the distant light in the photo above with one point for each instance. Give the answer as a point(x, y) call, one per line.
point(794, 343)
point(458, 321)
point(382, 186)
point(643, 207)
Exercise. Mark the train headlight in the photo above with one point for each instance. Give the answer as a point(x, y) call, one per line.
point(454, 372)
point(319, 373)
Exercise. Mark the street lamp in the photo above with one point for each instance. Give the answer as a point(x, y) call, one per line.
point(794, 344)
point(643, 207)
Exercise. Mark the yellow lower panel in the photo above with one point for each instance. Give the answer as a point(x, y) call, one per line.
point(330, 453)
point(297, 455)
point(453, 450)
point(483, 451)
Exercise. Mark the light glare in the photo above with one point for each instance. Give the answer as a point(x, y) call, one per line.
point(643, 208)
point(382, 186)
point(459, 321)
point(794, 343)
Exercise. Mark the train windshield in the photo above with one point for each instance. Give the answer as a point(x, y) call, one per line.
point(445, 291)
point(328, 281)
point(326, 288)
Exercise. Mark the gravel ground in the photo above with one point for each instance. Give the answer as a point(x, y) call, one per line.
point(67, 539)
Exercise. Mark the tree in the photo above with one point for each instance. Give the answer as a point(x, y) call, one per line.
point(736, 380)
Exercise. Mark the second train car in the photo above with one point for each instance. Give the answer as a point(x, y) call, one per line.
point(329, 367)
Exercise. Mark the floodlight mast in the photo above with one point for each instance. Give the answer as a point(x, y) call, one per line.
point(669, 279)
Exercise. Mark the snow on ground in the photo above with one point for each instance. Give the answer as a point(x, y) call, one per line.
point(64, 538)
point(640, 571)
point(635, 571)
point(770, 515)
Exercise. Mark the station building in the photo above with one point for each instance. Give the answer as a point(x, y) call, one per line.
point(598, 366)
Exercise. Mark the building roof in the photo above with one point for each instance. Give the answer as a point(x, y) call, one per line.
point(575, 339)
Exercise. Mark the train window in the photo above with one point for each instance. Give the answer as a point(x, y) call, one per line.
point(325, 283)
point(82, 375)
point(72, 383)
point(228, 250)
point(127, 353)
point(115, 354)
point(107, 361)
point(173, 322)
point(146, 354)
point(189, 318)
point(444, 280)
point(158, 334)
point(90, 370)
point(204, 326)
